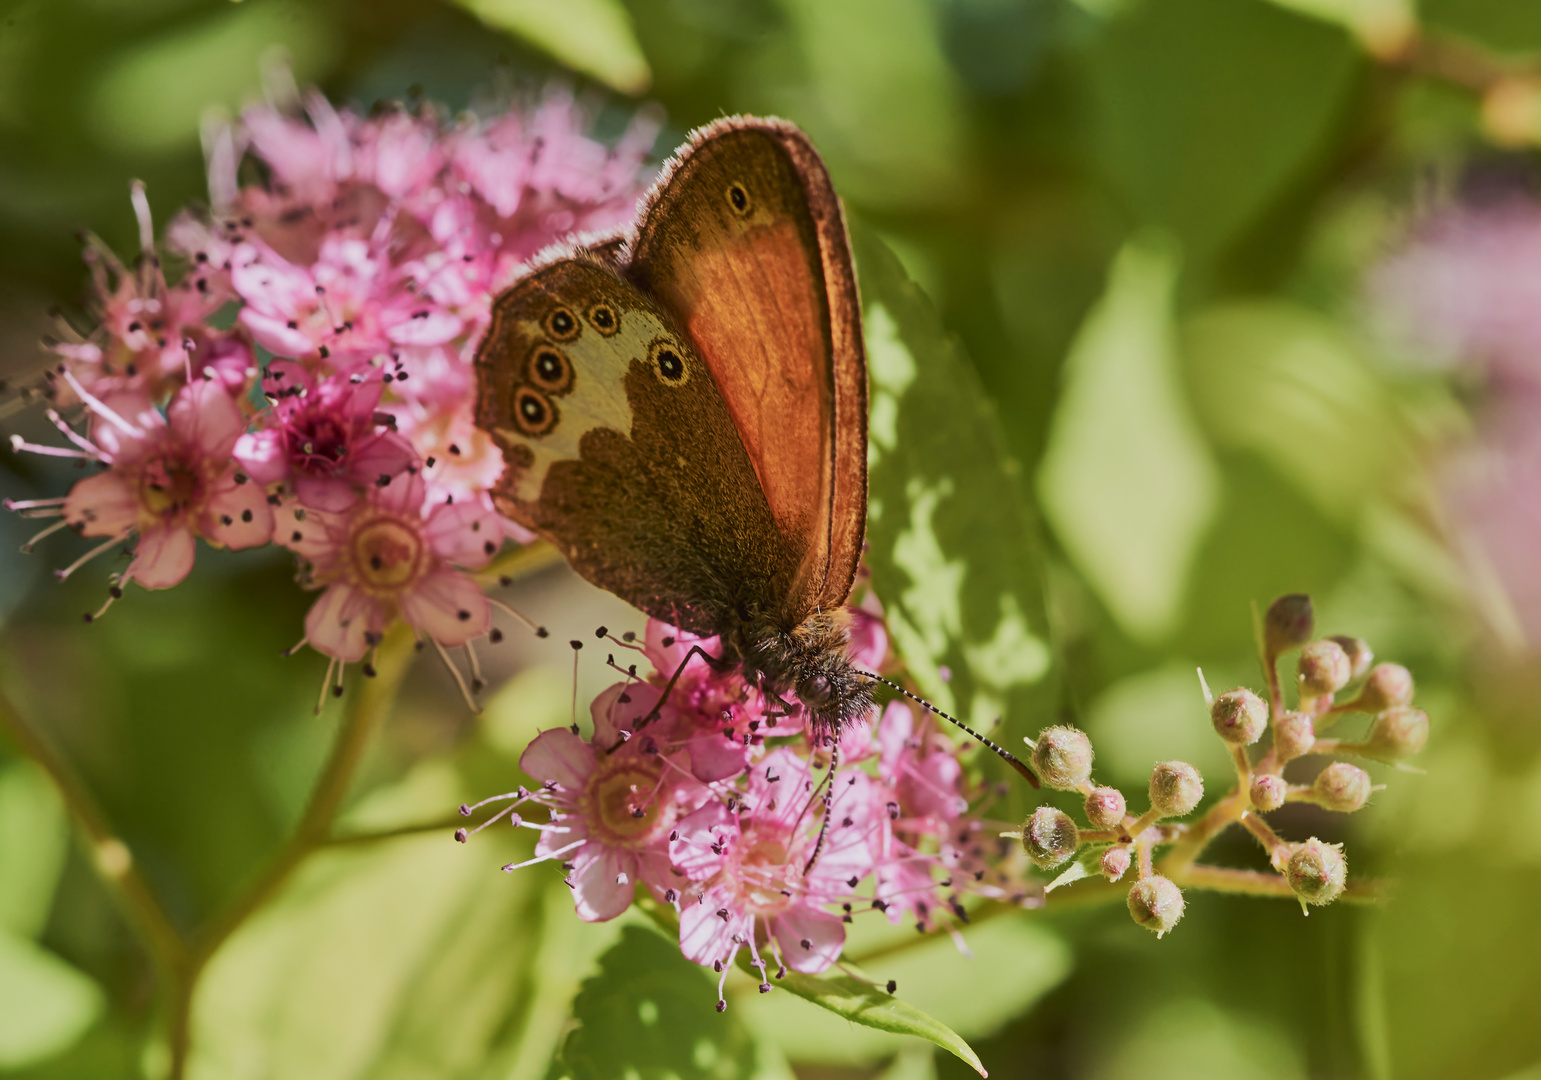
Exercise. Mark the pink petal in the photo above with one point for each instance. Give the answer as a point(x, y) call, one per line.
point(894, 729)
point(692, 853)
point(274, 335)
point(780, 800)
point(237, 515)
point(666, 658)
point(403, 495)
point(706, 936)
point(103, 505)
point(447, 606)
point(714, 756)
point(337, 624)
point(613, 716)
point(823, 933)
point(869, 638)
point(465, 533)
point(206, 418)
point(599, 893)
point(385, 454)
point(435, 328)
point(261, 454)
point(328, 494)
point(163, 557)
point(560, 757)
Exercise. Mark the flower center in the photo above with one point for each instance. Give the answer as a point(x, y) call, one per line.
point(386, 553)
point(317, 444)
point(767, 876)
point(168, 486)
point(625, 803)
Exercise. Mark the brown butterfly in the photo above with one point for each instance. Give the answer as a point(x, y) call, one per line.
point(683, 411)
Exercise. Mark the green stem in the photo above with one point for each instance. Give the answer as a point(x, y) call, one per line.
point(111, 857)
point(370, 704)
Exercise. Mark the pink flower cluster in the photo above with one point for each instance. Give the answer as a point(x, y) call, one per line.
point(305, 378)
point(1466, 288)
point(733, 813)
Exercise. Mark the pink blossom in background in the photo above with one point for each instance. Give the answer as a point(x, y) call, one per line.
point(1466, 289)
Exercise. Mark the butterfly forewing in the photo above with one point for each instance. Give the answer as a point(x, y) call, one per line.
point(620, 450)
point(745, 243)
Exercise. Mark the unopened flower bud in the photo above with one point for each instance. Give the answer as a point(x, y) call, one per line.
point(1358, 652)
point(1175, 788)
point(1316, 871)
point(1239, 716)
point(1115, 863)
point(1289, 623)
point(1341, 787)
point(1397, 733)
point(1267, 792)
point(1389, 685)
point(1105, 808)
point(1293, 735)
point(1156, 904)
point(1324, 668)
point(1049, 837)
point(1062, 757)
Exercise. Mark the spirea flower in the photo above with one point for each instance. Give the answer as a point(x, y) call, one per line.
point(767, 838)
point(347, 290)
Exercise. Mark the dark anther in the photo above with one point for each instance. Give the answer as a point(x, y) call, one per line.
point(88, 616)
point(463, 615)
point(805, 943)
point(600, 633)
point(369, 670)
point(717, 966)
point(115, 592)
point(297, 536)
point(576, 644)
point(668, 642)
point(624, 699)
point(337, 690)
point(246, 516)
point(673, 836)
point(542, 632)
point(241, 478)
point(489, 547)
point(670, 896)
point(852, 884)
point(226, 519)
point(460, 834)
point(722, 1006)
point(325, 352)
point(454, 449)
point(628, 637)
point(893, 986)
point(638, 812)
point(495, 636)
point(505, 581)
point(432, 461)
point(722, 913)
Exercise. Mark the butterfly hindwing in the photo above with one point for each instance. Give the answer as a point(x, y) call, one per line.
point(619, 448)
point(743, 241)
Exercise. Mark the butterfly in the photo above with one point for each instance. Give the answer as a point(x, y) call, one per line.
point(682, 410)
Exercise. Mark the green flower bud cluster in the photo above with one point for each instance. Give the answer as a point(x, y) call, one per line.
point(1115, 843)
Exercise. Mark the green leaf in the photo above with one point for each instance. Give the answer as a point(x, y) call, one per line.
point(1010, 964)
point(45, 1004)
point(1126, 479)
point(401, 959)
point(1208, 111)
point(650, 1013)
point(594, 37)
point(954, 545)
point(849, 998)
point(1293, 387)
point(34, 839)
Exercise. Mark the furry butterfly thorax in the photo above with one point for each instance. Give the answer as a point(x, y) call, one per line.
point(682, 410)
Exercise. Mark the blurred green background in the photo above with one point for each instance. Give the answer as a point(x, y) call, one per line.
point(1147, 224)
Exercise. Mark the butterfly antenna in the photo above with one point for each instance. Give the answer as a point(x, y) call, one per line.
point(1000, 751)
point(829, 804)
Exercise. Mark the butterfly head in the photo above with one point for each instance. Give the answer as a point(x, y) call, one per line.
point(808, 662)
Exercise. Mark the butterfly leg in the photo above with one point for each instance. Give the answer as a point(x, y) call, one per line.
point(657, 710)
